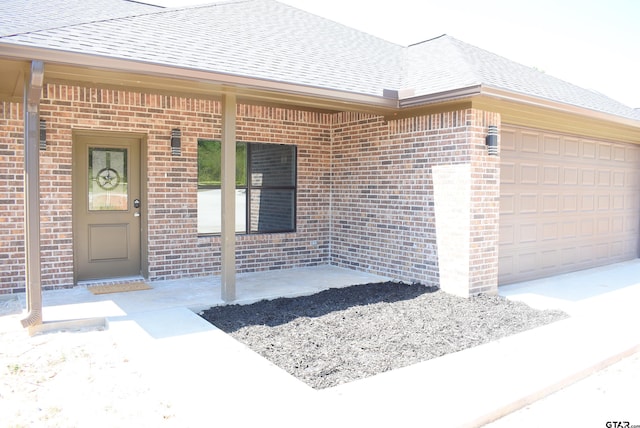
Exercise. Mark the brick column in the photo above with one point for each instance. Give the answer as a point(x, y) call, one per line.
point(466, 204)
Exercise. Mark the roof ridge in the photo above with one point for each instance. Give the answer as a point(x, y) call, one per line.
point(471, 68)
point(207, 5)
point(474, 67)
point(443, 35)
point(144, 3)
point(438, 54)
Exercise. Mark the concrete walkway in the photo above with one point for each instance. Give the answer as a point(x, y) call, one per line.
point(468, 388)
point(608, 395)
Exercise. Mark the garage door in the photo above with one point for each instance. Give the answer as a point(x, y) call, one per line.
point(566, 203)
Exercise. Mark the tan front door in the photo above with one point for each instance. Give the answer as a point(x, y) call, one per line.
point(106, 206)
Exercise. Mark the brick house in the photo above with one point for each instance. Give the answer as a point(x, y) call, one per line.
point(138, 141)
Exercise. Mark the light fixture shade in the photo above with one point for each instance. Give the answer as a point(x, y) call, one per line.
point(175, 142)
point(492, 140)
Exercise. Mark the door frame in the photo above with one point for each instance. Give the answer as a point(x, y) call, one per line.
point(142, 138)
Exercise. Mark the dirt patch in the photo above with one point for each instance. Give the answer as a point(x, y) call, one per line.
point(78, 378)
point(343, 334)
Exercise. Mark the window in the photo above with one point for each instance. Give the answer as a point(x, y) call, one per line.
point(265, 187)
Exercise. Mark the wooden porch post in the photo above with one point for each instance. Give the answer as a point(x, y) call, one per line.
point(32, 95)
point(228, 185)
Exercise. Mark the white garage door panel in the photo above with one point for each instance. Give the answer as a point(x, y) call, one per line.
point(566, 203)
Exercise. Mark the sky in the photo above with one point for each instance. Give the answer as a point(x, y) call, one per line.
point(591, 43)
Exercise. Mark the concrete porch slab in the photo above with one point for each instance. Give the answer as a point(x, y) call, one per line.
point(181, 354)
point(197, 293)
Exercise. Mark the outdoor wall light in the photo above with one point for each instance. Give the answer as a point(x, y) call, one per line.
point(175, 142)
point(492, 140)
point(43, 134)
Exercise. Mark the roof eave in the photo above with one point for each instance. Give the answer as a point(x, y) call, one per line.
point(502, 94)
point(332, 97)
point(439, 97)
point(277, 91)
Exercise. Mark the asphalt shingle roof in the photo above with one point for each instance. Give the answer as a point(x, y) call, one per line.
point(445, 63)
point(268, 40)
point(22, 16)
point(256, 38)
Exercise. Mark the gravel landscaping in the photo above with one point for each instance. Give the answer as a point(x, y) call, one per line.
point(344, 334)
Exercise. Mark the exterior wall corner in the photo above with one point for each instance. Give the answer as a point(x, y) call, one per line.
point(466, 199)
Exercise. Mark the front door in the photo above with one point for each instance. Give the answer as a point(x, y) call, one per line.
point(106, 206)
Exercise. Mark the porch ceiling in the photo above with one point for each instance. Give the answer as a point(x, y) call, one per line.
point(12, 82)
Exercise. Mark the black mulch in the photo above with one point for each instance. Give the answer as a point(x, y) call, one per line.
point(343, 334)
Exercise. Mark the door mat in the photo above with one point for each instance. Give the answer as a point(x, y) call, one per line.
point(119, 288)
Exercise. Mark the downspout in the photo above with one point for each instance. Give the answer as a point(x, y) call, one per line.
point(32, 95)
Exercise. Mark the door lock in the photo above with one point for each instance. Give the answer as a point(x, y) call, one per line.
point(136, 203)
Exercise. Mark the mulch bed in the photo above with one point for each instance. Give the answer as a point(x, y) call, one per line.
point(343, 334)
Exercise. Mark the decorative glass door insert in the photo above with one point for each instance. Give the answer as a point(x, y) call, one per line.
point(108, 187)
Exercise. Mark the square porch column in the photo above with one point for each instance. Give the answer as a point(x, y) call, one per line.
point(467, 202)
point(228, 188)
point(32, 95)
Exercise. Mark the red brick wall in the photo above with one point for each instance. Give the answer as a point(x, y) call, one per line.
point(364, 195)
point(11, 198)
point(174, 248)
point(309, 245)
point(485, 204)
point(382, 205)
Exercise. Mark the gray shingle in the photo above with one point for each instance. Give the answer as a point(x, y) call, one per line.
point(268, 40)
point(21, 16)
point(446, 63)
point(257, 38)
